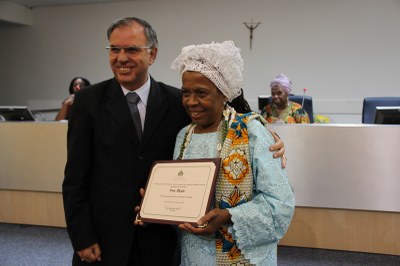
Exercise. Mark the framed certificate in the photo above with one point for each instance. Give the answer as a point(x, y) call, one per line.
point(179, 191)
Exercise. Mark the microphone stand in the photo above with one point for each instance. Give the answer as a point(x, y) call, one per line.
point(304, 93)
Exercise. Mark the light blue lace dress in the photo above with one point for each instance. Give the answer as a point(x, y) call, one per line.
point(259, 224)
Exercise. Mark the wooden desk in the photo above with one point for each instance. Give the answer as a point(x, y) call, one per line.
point(345, 177)
point(346, 180)
point(32, 161)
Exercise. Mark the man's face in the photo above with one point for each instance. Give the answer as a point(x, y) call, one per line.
point(130, 67)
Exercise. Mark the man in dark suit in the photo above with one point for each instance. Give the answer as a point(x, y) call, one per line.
point(108, 161)
point(108, 164)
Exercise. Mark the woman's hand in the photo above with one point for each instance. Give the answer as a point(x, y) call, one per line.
point(69, 101)
point(210, 222)
point(63, 112)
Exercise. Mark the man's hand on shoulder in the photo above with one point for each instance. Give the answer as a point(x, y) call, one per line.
point(278, 148)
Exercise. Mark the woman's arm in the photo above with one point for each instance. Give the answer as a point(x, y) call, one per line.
point(260, 223)
point(64, 110)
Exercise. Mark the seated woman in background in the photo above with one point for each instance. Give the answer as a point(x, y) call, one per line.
point(253, 202)
point(280, 109)
point(75, 85)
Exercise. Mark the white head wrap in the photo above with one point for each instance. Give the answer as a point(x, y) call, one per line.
point(282, 81)
point(219, 62)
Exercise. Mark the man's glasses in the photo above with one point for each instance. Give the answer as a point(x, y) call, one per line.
point(131, 50)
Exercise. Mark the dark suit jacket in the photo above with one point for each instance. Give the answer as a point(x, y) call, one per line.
point(106, 167)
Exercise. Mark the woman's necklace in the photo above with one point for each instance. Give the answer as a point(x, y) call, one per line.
point(228, 116)
point(186, 140)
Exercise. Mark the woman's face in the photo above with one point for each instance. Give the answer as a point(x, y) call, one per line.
point(202, 100)
point(279, 96)
point(78, 84)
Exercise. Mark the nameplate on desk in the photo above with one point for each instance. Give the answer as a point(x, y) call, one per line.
point(179, 191)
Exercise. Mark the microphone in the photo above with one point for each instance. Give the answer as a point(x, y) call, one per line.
point(304, 93)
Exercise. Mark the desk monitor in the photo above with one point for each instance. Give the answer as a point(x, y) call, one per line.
point(15, 113)
point(387, 115)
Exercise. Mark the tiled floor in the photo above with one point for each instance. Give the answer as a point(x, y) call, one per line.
point(47, 246)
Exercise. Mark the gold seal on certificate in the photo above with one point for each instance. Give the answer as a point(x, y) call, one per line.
point(179, 191)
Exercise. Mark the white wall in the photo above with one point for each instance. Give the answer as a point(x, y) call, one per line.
point(341, 50)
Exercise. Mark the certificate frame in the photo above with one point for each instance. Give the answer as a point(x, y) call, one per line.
point(179, 191)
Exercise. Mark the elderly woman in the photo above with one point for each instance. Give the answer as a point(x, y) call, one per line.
point(281, 110)
point(253, 203)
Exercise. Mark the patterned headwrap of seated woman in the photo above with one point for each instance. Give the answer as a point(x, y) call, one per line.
point(282, 81)
point(219, 62)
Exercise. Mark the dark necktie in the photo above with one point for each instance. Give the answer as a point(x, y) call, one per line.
point(133, 100)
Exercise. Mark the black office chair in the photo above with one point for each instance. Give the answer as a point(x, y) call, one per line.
point(263, 100)
point(370, 104)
